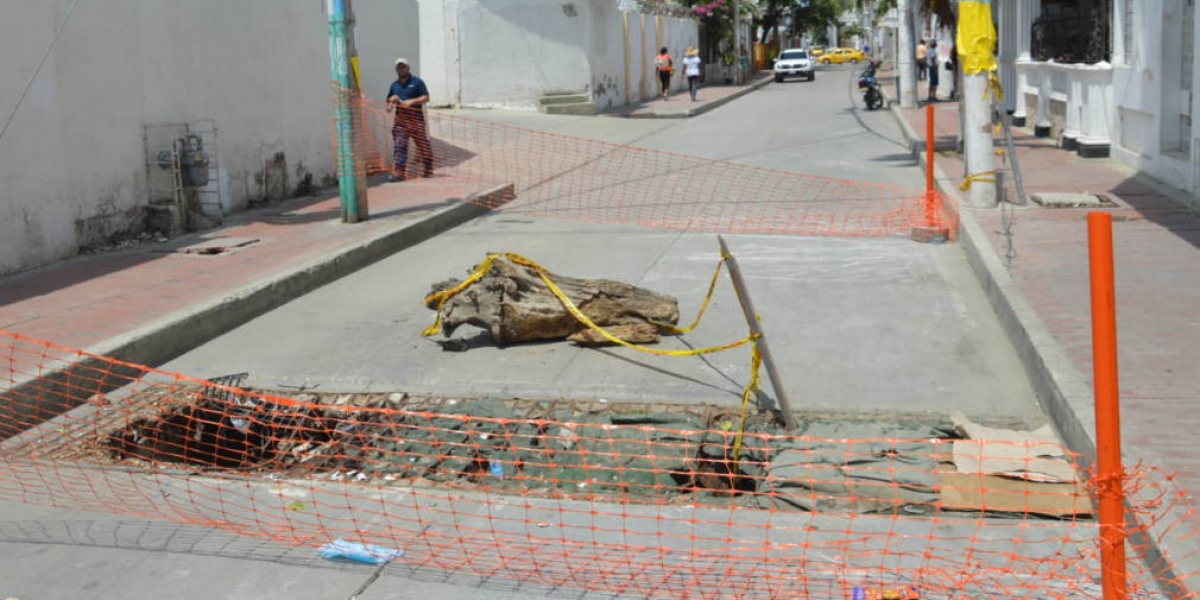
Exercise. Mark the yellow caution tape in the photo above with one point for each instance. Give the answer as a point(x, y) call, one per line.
point(751, 388)
point(983, 177)
point(995, 88)
point(975, 39)
point(712, 285)
point(441, 297)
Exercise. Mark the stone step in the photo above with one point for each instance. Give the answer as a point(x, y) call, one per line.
point(569, 108)
point(563, 98)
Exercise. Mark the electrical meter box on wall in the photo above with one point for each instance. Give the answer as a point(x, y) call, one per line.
point(193, 160)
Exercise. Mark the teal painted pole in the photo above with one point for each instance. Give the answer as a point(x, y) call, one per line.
point(339, 63)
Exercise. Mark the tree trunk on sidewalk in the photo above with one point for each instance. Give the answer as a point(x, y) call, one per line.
point(513, 303)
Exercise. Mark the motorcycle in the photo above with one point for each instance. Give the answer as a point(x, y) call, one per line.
point(869, 84)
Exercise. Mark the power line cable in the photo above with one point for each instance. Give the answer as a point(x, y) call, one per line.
point(38, 70)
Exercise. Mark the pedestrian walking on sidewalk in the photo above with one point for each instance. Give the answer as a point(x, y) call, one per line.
point(665, 67)
point(691, 68)
point(932, 62)
point(406, 99)
point(922, 52)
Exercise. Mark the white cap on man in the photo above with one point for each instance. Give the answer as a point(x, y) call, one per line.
point(401, 61)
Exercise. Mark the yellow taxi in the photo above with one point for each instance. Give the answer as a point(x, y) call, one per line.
point(842, 55)
point(816, 51)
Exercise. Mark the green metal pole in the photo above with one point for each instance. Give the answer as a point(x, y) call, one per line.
point(339, 62)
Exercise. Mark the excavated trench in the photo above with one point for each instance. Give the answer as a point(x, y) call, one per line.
point(627, 452)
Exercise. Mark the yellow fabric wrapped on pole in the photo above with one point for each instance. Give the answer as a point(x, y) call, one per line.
point(976, 38)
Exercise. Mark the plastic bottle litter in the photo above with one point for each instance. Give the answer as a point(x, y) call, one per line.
point(906, 593)
point(358, 552)
point(497, 469)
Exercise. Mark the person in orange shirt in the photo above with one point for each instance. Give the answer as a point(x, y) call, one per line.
point(665, 66)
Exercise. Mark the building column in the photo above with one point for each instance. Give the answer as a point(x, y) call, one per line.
point(1095, 139)
point(1073, 123)
point(1041, 127)
point(1026, 12)
point(1008, 54)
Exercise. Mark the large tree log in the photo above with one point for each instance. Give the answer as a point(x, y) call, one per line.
point(513, 303)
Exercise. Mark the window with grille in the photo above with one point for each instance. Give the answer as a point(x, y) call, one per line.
point(1073, 31)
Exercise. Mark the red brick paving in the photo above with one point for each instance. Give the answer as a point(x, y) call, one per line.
point(1157, 265)
point(88, 300)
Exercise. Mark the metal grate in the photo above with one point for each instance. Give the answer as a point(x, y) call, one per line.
point(228, 381)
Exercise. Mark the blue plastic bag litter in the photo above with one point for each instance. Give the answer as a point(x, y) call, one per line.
point(358, 552)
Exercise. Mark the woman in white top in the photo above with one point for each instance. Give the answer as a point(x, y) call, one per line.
point(691, 65)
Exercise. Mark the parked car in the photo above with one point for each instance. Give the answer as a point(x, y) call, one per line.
point(816, 51)
point(794, 62)
point(842, 55)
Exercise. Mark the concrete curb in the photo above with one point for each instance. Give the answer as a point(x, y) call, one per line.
point(699, 110)
point(179, 332)
point(1061, 389)
point(176, 333)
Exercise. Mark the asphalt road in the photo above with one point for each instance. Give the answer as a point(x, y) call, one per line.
point(816, 128)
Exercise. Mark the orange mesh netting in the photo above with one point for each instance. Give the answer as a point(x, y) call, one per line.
point(645, 500)
point(574, 178)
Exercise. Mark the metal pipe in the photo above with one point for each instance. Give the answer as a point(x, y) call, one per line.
point(929, 162)
point(784, 409)
point(1110, 474)
point(1013, 159)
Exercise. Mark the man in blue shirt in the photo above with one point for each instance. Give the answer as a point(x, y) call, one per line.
point(406, 99)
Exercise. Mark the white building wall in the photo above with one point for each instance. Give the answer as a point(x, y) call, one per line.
point(507, 53)
point(647, 34)
point(72, 163)
point(514, 50)
point(1139, 86)
point(440, 51)
point(608, 47)
point(387, 30)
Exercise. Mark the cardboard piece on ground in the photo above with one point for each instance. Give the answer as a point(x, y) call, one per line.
point(979, 457)
point(961, 491)
point(974, 431)
point(1034, 455)
point(1001, 470)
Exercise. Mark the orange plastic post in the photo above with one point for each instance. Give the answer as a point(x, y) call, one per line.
point(1109, 471)
point(929, 165)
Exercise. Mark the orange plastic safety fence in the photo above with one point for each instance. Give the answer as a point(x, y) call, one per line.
point(579, 179)
point(644, 502)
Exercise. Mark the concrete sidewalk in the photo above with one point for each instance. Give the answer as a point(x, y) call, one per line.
point(148, 303)
point(1033, 260)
